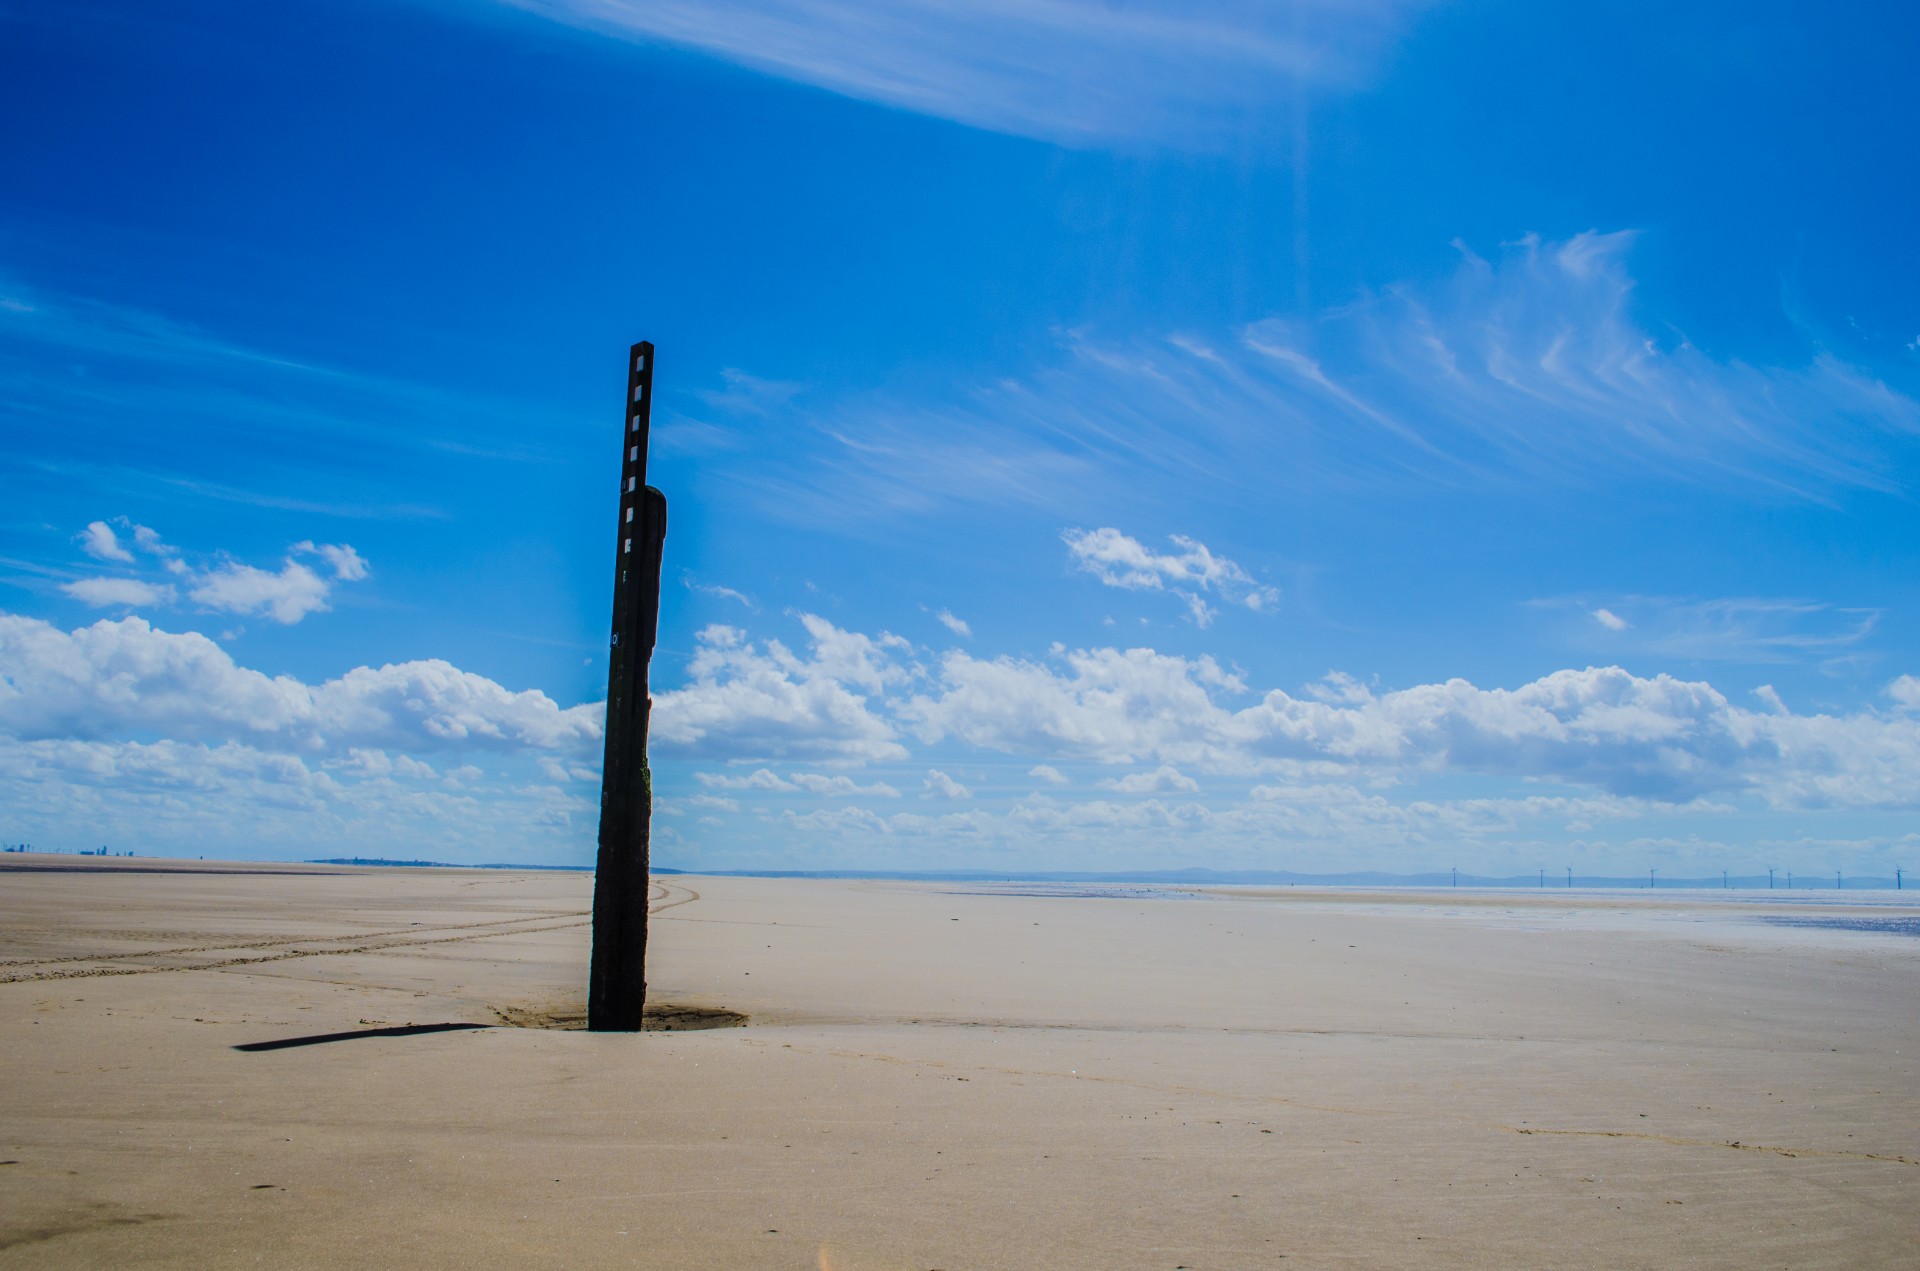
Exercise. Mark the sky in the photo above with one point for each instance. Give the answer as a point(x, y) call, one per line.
point(1316, 436)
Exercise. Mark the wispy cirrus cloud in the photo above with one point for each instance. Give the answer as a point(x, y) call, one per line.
point(715, 589)
point(119, 397)
point(1750, 629)
point(1072, 71)
point(1525, 369)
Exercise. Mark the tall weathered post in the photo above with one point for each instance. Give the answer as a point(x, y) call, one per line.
point(617, 982)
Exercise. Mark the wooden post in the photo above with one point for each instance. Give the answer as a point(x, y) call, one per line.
point(617, 981)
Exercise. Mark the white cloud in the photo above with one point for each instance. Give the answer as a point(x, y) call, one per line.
point(840, 786)
point(745, 701)
point(1067, 70)
point(121, 592)
point(1121, 561)
point(229, 586)
point(1166, 779)
point(348, 565)
point(958, 626)
point(940, 784)
point(100, 542)
point(1660, 738)
point(1531, 368)
point(759, 779)
point(836, 785)
point(126, 679)
point(1100, 816)
point(835, 821)
point(1905, 691)
point(1751, 629)
point(374, 763)
point(286, 597)
point(725, 593)
point(182, 798)
point(1337, 762)
point(1534, 364)
point(1105, 705)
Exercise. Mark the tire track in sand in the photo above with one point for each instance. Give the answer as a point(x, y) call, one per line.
point(660, 896)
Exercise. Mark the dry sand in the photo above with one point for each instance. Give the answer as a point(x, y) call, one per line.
point(943, 1077)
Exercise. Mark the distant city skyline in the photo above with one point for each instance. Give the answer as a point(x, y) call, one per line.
point(1340, 437)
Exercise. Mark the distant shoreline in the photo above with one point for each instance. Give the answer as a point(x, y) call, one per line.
point(1443, 880)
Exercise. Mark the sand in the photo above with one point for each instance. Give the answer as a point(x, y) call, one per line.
point(946, 1077)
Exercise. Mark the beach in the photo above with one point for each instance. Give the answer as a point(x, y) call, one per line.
point(883, 1074)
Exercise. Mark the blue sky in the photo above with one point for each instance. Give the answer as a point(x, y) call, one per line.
point(1317, 436)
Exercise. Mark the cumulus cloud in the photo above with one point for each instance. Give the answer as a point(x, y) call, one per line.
point(285, 595)
point(745, 700)
point(372, 762)
point(173, 796)
point(348, 565)
point(1105, 705)
point(1905, 691)
point(1610, 620)
point(958, 626)
point(1121, 561)
point(835, 785)
point(940, 784)
point(1657, 738)
point(126, 678)
point(1338, 760)
point(100, 542)
point(124, 593)
point(1166, 779)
